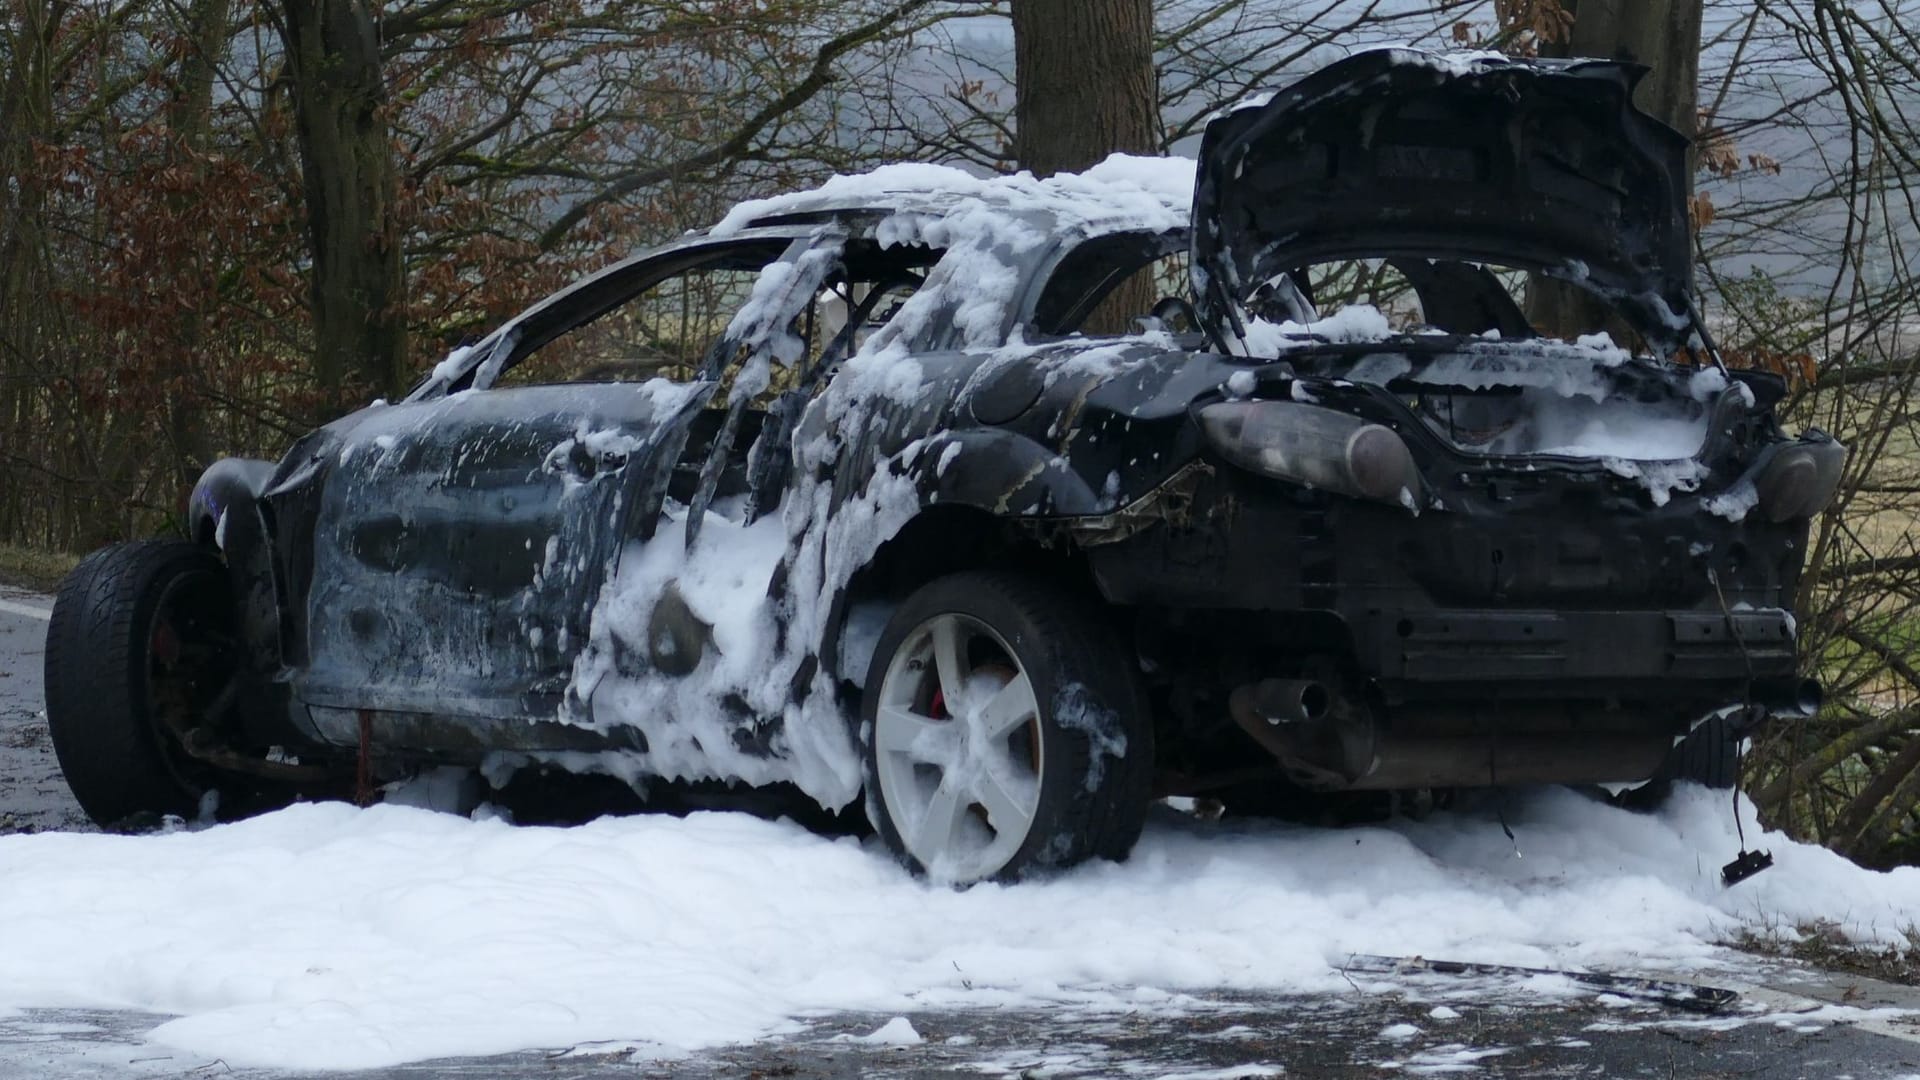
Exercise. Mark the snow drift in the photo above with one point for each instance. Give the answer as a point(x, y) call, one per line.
point(325, 937)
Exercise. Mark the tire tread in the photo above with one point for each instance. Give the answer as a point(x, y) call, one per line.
point(95, 680)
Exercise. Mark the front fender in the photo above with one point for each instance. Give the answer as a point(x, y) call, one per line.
point(225, 511)
point(227, 484)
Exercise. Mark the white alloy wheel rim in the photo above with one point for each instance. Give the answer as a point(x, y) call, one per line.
point(958, 749)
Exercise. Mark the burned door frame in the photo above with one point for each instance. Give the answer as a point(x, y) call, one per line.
point(601, 506)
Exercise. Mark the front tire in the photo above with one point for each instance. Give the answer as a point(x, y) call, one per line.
point(1004, 732)
point(140, 633)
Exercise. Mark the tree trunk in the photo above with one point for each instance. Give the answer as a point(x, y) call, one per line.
point(346, 151)
point(1664, 35)
point(1085, 88)
point(190, 112)
point(190, 116)
point(27, 34)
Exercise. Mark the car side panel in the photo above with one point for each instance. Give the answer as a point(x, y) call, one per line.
point(459, 544)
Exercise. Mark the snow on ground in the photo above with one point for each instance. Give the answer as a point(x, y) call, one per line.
point(327, 936)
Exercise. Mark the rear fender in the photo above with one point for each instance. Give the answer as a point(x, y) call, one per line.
point(990, 474)
point(1006, 474)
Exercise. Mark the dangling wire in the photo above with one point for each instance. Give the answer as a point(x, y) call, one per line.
point(1739, 770)
point(1746, 865)
point(1746, 658)
point(1500, 793)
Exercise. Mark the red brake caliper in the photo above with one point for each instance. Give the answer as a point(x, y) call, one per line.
point(165, 645)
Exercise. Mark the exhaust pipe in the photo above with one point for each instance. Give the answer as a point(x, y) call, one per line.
point(1788, 697)
point(1285, 716)
point(1280, 701)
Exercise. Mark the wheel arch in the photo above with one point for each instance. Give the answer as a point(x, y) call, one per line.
point(947, 538)
point(226, 513)
point(228, 485)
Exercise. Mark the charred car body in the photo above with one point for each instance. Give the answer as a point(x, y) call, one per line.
point(900, 532)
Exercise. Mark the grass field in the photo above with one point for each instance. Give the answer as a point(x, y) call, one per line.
point(27, 568)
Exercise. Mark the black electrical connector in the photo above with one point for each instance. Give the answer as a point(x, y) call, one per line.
point(1744, 866)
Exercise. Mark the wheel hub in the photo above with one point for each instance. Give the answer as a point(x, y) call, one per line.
point(958, 748)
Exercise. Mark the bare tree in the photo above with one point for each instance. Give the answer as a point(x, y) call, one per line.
point(1813, 272)
point(1663, 35)
point(1085, 79)
point(1086, 88)
point(359, 285)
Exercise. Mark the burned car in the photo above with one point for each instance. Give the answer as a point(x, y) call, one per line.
point(837, 496)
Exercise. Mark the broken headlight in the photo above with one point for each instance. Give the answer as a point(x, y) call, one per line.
point(1321, 448)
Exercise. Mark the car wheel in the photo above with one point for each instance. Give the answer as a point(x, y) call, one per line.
point(140, 633)
point(1004, 732)
point(1708, 756)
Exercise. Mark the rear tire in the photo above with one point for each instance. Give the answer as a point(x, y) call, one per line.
point(137, 629)
point(1708, 756)
point(1045, 758)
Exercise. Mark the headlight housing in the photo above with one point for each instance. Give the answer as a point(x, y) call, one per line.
point(1318, 447)
point(1801, 479)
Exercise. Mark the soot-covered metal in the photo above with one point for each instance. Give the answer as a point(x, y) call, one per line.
point(1326, 554)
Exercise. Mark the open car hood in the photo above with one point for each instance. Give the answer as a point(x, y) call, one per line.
point(1544, 165)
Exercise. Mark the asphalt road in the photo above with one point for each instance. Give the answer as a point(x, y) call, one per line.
point(1422, 1025)
point(32, 795)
